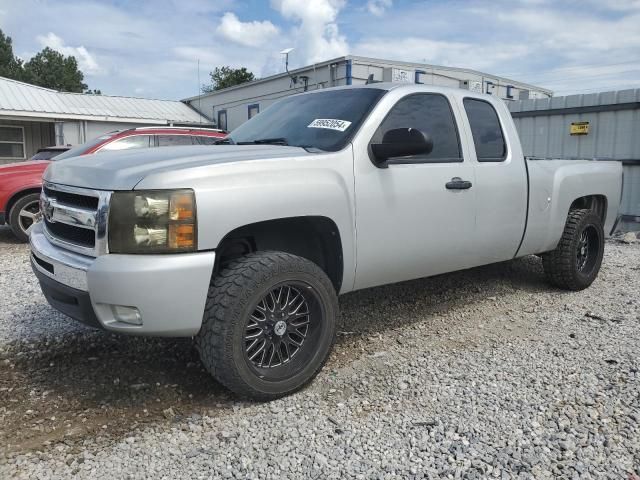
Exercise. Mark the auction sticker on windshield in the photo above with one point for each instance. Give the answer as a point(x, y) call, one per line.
point(330, 124)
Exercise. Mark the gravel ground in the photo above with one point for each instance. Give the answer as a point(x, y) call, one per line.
point(483, 373)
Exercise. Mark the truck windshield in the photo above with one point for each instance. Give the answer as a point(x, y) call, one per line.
point(325, 120)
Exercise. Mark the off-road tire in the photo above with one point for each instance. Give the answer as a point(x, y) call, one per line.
point(232, 294)
point(561, 265)
point(14, 215)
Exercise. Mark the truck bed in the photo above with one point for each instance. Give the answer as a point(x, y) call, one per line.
point(554, 185)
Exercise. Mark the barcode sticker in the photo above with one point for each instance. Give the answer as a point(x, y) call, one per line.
point(330, 124)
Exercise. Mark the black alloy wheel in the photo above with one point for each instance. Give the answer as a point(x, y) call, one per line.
point(281, 325)
point(575, 262)
point(587, 251)
point(269, 324)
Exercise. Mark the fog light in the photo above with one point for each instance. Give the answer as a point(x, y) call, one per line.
point(129, 315)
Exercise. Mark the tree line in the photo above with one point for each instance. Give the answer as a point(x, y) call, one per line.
point(48, 68)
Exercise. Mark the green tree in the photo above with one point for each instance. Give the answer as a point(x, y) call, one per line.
point(223, 77)
point(51, 69)
point(10, 65)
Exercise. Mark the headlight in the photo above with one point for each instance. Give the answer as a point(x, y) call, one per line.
point(153, 221)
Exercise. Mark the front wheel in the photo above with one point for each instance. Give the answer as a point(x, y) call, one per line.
point(575, 262)
point(23, 215)
point(269, 324)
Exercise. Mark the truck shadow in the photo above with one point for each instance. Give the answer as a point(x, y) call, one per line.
point(7, 237)
point(91, 378)
point(411, 301)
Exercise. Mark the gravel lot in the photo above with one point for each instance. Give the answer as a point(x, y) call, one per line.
point(482, 373)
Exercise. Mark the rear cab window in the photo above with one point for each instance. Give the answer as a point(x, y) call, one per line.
point(488, 137)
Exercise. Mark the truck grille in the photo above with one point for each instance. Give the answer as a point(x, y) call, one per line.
point(73, 199)
point(69, 233)
point(76, 218)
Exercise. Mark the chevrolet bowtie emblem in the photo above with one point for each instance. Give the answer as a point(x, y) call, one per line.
point(47, 211)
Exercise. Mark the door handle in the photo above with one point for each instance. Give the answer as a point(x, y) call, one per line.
point(457, 183)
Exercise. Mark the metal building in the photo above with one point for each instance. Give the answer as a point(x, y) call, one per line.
point(232, 106)
point(33, 117)
point(599, 126)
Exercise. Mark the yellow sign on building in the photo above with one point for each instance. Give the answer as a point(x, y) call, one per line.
point(579, 128)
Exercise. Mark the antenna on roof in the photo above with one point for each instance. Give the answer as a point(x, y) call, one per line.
point(286, 53)
point(199, 94)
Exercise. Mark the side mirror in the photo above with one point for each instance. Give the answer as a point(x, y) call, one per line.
point(402, 142)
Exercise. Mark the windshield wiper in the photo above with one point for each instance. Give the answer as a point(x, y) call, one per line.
point(269, 141)
point(266, 141)
point(224, 141)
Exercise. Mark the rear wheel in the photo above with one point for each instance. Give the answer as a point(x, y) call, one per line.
point(575, 262)
point(23, 215)
point(269, 324)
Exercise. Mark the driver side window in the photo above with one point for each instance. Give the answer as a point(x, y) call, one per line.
point(431, 114)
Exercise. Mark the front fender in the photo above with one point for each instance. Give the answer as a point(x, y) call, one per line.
point(230, 196)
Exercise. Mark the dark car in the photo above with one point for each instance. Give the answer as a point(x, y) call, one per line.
point(48, 153)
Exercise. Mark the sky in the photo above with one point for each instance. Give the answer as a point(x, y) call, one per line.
point(152, 48)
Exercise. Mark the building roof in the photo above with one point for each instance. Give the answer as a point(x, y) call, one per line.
point(22, 100)
point(358, 59)
point(578, 102)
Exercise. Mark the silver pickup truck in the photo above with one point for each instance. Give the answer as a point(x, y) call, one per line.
point(247, 244)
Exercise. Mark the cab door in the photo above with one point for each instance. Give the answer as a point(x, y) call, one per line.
point(416, 217)
point(501, 181)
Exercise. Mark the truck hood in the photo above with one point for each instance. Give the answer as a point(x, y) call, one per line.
point(22, 168)
point(124, 170)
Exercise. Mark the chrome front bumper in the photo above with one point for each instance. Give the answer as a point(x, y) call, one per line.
point(63, 266)
point(168, 291)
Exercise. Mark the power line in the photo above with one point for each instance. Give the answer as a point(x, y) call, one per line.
point(574, 67)
point(581, 77)
point(598, 89)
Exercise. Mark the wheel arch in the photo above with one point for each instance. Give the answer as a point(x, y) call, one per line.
point(15, 196)
point(596, 203)
point(316, 238)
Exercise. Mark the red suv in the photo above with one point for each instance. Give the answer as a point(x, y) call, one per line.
point(20, 183)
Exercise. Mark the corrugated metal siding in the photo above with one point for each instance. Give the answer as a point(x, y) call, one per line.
point(631, 191)
point(614, 133)
point(21, 97)
point(38, 135)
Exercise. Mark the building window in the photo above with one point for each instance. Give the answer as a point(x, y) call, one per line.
point(222, 119)
point(253, 110)
point(12, 142)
